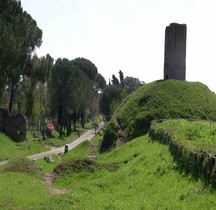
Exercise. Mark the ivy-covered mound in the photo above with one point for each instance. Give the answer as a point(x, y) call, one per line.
point(162, 99)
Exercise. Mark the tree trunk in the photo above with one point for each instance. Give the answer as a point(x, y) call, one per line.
point(83, 118)
point(74, 119)
point(12, 97)
point(60, 119)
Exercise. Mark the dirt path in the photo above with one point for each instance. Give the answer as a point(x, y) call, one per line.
point(49, 178)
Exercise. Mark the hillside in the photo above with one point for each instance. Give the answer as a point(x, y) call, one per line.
point(139, 175)
point(159, 100)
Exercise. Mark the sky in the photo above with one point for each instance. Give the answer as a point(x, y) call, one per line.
point(127, 35)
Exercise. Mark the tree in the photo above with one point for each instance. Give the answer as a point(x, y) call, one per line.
point(132, 83)
point(121, 76)
point(87, 67)
point(70, 90)
point(110, 96)
point(115, 81)
point(96, 83)
point(38, 72)
point(19, 37)
point(100, 82)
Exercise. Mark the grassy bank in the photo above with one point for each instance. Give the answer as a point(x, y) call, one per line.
point(137, 175)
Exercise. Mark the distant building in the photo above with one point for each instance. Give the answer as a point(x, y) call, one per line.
point(175, 52)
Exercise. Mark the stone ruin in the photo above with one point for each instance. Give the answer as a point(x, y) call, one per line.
point(175, 51)
point(13, 126)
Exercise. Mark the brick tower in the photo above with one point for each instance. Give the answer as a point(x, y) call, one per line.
point(175, 51)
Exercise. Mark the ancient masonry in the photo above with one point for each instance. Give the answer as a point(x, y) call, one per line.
point(175, 51)
point(13, 126)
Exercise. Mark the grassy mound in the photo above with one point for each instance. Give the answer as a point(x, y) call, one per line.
point(78, 165)
point(159, 100)
point(23, 165)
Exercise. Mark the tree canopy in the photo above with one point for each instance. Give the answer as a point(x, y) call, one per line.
point(19, 37)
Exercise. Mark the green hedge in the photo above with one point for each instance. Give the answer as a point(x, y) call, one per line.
point(200, 160)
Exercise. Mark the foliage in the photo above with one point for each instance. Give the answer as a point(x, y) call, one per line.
point(115, 80)
point(19, 37)
point(121, 77)
point(100, 82)
point(164, 100)
point(110, 137)
point(87, 67)
point(110, 95)
point(132, 83)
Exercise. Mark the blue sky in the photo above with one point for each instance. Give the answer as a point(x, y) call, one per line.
point(128, 34)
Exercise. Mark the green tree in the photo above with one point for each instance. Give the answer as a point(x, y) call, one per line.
point(19, 37)
point(132, 84)
point(100, 82)
point(95, 83)
point(121, 77)
point(69, 90)
point(111, 95)
point(87, 67)
point(115, 81)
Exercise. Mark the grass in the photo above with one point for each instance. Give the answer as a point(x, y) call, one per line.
point(12, 150)
point(159, 100)
point(202, 132)
point(145, 177)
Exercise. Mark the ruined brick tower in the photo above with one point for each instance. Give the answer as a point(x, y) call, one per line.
point(175, 51)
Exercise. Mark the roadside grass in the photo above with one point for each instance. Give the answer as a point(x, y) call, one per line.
point(12, 150)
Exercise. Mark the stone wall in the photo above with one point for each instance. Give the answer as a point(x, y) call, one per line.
point(175, 51)
point(13, 126)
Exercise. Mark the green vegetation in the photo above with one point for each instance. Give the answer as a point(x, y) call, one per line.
point(11, 150)
point(141, 175)
point(159, 100)
point(23, 165)
point(190, 144)
point(202, 132)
